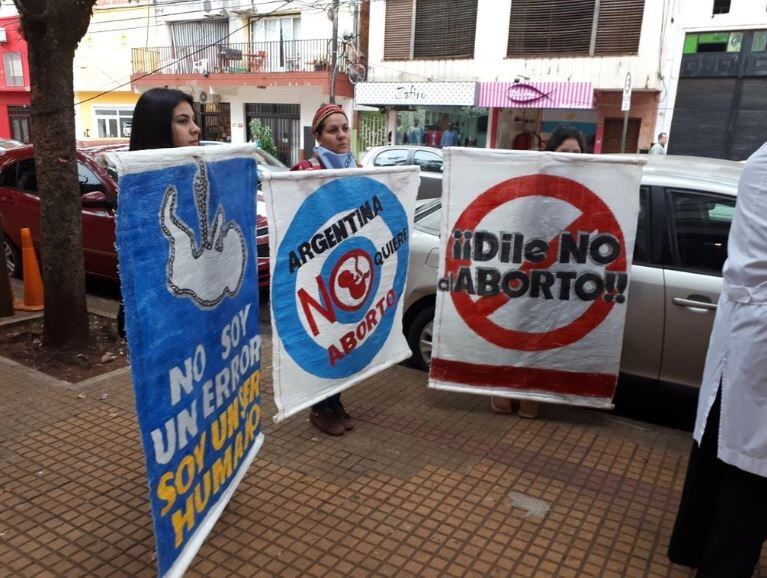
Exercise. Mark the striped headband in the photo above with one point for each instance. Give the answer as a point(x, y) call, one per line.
point(324, 112)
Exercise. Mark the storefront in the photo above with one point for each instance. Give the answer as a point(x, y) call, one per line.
point(427, 113)
point(523, 114)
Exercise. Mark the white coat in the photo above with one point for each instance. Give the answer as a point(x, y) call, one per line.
point(737, 352)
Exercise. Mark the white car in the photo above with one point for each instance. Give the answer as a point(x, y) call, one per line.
point(429, 159)
point(686, 207)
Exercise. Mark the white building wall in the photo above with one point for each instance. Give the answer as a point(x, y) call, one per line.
point(697, 16)
point(490, 62)
point(307, 97)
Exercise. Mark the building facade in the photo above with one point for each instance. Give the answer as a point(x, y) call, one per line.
point(534, 64)
point(14, 82)
point(715, 74)
point(104, 98)
point(247, 60)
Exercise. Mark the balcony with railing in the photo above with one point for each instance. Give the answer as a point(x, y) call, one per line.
point(295, 56)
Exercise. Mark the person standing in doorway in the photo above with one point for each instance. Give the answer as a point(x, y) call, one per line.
point(330, 128)
point(163, 118)
point(722, 519)
point(659, 148)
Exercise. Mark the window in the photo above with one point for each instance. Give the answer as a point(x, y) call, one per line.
point(14, 73)
point(26, 177)
point(391, 158)
point(89, 182)
point(274, 29)
point(701, 224)
point(713, 42)
point(19, 119)
point(721, 6)
point(428, 161)
point(576, 27)
point(442, 32)
point(430, 29)
point(759, 43)
point(642, 252)
point(113, 123)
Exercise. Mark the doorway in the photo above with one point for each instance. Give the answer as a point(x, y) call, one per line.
point(215, 120)
point(611, 141)
point(285, 122)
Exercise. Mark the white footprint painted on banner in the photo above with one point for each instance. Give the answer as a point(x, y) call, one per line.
point(213, 269)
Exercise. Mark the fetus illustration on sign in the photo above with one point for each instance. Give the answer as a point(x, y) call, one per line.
point(352, 280)
point(208, 270)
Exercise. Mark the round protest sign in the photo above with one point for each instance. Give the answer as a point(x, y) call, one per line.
point(339, 273)
point(589, 253)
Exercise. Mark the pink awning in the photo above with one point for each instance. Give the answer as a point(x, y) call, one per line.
point(535, 95)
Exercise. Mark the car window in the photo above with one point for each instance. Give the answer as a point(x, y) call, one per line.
point(89, 182)
point(642, 253)
point(26, 177)
point(391, 157)
point(428, 161)
point(701, 224)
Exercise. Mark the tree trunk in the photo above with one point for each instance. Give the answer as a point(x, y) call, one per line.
point(53, 28)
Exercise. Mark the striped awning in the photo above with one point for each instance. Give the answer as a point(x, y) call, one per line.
point(567, 95)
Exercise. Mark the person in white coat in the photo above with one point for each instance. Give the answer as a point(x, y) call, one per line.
point(722, 519)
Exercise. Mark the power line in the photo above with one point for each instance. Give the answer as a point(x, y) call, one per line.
point(171, 63)
point(196, 11)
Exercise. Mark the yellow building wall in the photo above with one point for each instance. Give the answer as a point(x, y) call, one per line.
point(85, 118)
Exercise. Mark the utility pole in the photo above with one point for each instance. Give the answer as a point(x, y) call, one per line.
point(334, 54)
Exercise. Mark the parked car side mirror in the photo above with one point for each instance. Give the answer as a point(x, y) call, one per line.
point(96, 200)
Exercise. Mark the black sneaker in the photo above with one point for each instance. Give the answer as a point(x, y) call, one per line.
point(343, 417)
point(326, 421)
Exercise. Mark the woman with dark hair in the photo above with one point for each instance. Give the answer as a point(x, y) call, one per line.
point(163, 118)
point(330, 128)
point(564, 139)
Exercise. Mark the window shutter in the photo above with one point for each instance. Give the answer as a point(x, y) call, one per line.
point(550, 27)
point(619, 26)
point(398, 28)
point(445, 29)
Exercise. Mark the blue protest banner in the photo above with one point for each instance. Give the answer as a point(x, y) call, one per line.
point(186, 244)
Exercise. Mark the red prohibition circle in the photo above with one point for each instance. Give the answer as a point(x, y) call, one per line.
point(595, 215)
point(353, 253)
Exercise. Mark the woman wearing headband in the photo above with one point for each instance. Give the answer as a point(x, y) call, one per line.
point(331, 130)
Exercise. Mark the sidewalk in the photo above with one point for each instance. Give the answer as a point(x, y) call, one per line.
point(428, 484)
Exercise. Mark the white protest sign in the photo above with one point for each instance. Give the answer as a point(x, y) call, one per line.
point(535, 257)
point(339, 243)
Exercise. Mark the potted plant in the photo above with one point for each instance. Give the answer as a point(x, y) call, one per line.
point(320, 63)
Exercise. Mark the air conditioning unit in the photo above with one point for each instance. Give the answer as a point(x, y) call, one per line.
point(173, 10)
point(213, 8)
point(3, 37)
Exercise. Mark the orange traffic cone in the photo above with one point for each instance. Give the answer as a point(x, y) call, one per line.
point(33, 283)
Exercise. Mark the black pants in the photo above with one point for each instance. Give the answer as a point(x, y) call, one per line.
point(722, 519)
point(328, 402)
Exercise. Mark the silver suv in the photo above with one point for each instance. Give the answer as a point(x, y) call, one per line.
point(686, 207)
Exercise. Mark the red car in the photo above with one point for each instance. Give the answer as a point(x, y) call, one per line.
point(20, 207)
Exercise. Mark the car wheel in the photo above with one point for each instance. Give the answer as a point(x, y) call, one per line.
point(12, 258)
point(419, 337)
